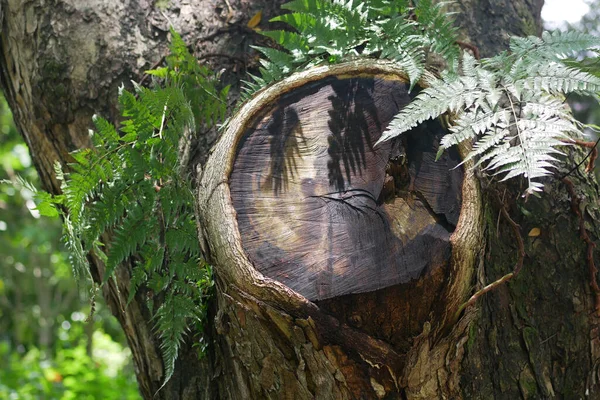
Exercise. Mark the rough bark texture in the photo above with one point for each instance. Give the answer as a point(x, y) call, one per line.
point(536, 337)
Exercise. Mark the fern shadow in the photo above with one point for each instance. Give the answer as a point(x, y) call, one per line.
point(353, 110)
point(285, 135)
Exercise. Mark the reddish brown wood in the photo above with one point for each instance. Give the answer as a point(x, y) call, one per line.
point(323, 211)
point(394, 314)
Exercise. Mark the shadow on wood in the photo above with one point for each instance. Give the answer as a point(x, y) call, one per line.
point(323, 211)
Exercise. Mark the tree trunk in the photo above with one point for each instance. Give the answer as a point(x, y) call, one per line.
point(534, 337)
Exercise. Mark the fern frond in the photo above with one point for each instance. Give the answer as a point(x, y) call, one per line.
point(439, 29)
point(77, 254)
point(128, 238)
point(511, 103)
point(283, 61)
point(530, 150)
point(172, 323)
point(557, 78)
point(470, 125)
point(138, 276)
point(485, 148)
point(335, 30)
point(554, 45)
point(131, 186)
point(409, 53)
point(442, 96)
point(183, 239)
point(105, 135)
point(295, 44)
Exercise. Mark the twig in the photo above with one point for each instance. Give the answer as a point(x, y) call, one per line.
point(146, 75)
point(518, 265)
point(584, 143)
point(520, 244)
point(219, 32)
point(215, 55)
point(162, 121)
point(228, 29)
point(499, 214)
point(592, 155)
point(229, 12)
point(469, 46)
point(548, 338)
point(575, 202)
point(483, 291)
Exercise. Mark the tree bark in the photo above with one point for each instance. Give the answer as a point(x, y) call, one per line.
point(534, 337)
point(62, 62)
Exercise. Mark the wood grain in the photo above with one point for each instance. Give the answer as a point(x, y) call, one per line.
point(324, 212)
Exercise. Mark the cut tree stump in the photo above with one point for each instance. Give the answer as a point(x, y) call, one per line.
point(323, 210)
point(303, 209)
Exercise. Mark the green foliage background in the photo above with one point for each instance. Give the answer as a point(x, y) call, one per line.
point(47, 350)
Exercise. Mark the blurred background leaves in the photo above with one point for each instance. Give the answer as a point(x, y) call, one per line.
point(47, 348)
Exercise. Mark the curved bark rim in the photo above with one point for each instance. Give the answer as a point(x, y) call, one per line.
point(219, 219)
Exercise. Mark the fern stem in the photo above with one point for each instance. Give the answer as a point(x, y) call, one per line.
point(162, 121)
point(521, 140)
point(593, 153)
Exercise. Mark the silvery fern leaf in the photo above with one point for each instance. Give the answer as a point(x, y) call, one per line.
point(409, 53)
point(492, 144)
point(555, 77)
point(442, 96)
point(546, 105)
point(469, 66)
point(470, 125)
point(513, 103)
point(529, 142)
point(451, 93)
point(553, 45)
point(533, 150)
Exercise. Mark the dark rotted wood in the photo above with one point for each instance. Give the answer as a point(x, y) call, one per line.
point(323, 211)
point(394, 314)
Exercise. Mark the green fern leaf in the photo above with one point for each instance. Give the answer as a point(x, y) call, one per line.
point(296, 44)
point(171, 324)
point(137, 278)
